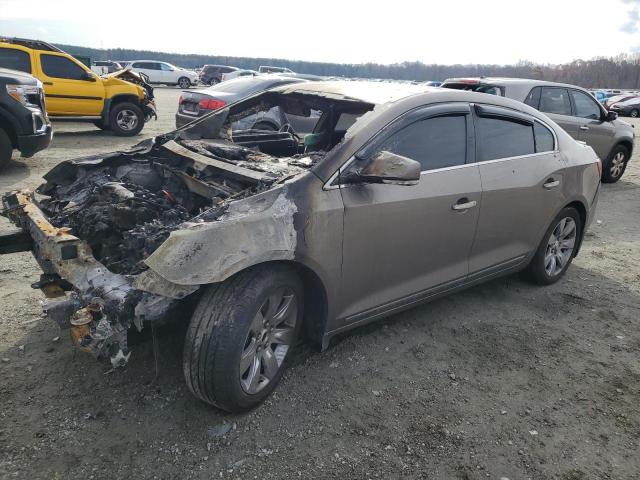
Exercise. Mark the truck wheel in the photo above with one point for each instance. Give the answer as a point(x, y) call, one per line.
point(102, 126)
point(184, 82)
point(6, 148)
point(556, 251)
point(126, 119)
point(240, 337)
point(615, 165)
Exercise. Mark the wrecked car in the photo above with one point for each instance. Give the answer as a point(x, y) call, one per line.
point(401, 194)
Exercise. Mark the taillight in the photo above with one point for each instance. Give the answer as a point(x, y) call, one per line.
point(211, 104)
point(180, 100)
point(599, 164)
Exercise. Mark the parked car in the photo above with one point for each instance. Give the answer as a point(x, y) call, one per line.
point(121, 102)
point(321, 235)
point(612, 100)
point(571, 107)
point(629, 107)
point(24, 124)
point(238, 73)
point(433, 83)
point(196, 103)
point(102, 67)
point(212, 74)
point(271, 69)
point(164, 73)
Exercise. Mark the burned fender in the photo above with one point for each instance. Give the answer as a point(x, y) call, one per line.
point(251, 231)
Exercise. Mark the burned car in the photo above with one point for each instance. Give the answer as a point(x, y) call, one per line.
point(401, 194)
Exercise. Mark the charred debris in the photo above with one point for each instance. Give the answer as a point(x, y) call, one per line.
point(126, 204)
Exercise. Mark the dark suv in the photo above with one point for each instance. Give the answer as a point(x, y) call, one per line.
point(24, 124)
point(212, 74)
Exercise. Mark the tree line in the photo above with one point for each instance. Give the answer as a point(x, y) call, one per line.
point(622, 71)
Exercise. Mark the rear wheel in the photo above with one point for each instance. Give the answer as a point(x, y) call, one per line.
point(184, 82)
point(635, 113)
point(126, 119)
point(557, 249)
point(240, 337)
point(214, 81)
point(615, 165)
point(6, 148)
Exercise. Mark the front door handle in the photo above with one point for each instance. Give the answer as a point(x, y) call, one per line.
point(48, 83)
point(551, 183)
point(584, 128)
point(463, 204)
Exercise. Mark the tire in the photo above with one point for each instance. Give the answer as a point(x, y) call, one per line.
point(635, 113)
point(615, 165)
point(214, 81)
point(544, 268)
point(102, 126)
point(261, 125)
point(126, 119)
point(184, 82)
point(226, 325)
point(6, 148)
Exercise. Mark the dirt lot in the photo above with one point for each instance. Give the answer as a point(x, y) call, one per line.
point(503, 380)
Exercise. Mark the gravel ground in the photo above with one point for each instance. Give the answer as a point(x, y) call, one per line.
point(502, 380)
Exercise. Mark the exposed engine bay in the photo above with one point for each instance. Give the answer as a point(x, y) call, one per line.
point(97, 221)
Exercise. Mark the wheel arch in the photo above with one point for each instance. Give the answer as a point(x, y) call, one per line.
point(8, 126)
point(110, 102)
point(582, 211)
point(316, 301)
point(625, 142)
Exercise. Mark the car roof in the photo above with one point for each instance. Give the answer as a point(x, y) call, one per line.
point(510, 81)
point(375, 93)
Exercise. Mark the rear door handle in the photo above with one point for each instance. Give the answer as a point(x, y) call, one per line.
point(464, 204)
point(551, 183)
point(584, 128)
point(48, 83)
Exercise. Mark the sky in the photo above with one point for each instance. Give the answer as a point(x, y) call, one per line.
point(442, 32)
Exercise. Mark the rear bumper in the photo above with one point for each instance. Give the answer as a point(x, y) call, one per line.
point(182, 119)
point(97, 305)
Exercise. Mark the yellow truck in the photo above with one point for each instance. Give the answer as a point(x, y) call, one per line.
point(121, 101)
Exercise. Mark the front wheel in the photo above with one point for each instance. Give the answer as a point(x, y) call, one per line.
point(184, 82)
point(241, 335)
point(557, 249)
point(126, 119)
point(615, 165)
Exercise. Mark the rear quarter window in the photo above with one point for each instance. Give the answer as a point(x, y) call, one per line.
point(545, 141)
point(15, 59)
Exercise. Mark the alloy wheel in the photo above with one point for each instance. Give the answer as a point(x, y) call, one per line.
point(270, 337)
point(127, 120)
point(184, 83)
point(617, 165)
point(560, 246)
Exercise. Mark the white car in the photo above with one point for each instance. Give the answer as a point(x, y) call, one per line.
point(237, 73)
point(163, 72)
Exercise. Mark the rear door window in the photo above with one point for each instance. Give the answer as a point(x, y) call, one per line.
point(15, 59)
point(436, 142)
point(503, 138)
point(555, 100)
point(585, 105)
point(61, 67)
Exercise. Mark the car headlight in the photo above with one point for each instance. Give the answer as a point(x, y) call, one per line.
point(28, 95)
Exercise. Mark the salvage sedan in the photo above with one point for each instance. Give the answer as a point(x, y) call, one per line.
point(402, 194)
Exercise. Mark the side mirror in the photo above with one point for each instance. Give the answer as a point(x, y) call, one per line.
point(611, 116)
point(387, 167)
point(88, 77)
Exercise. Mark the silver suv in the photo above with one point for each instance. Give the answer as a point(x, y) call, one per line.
point(571, 107)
